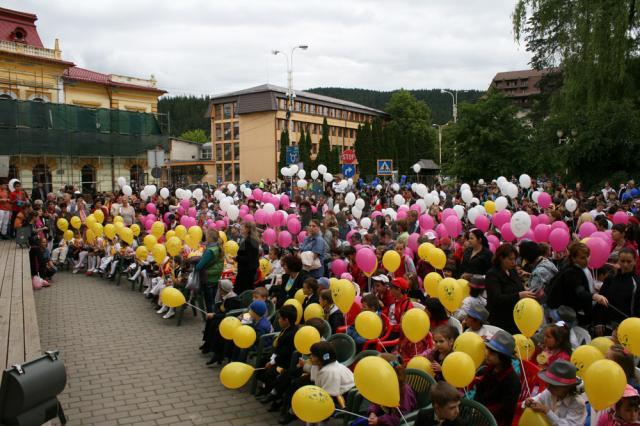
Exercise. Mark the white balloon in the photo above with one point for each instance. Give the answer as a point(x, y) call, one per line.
point(428, 200)
point(269, 208)
point(314, 174)
point(143, 195)
point(302, 174)
point(475, 200)
point(350, 199)
point(571, 205)
point(226, 203)
point(233, 212)
point(421, 203)
point(512, 190)
point(525, 181)
point(12, 183)
point(472, 214)
point(247, 192)
point(481, 209)
point(465, 187)
point(501, 180)
point(188, 194)
point(231, 187)
point(459, 211)
point(416, 168)
point(360, 203)
point(357, 213)
point(466, 196)
point(164, 193)
point(395, 187)
point(343, 185)
point(520, 223)
point(501, 203)
point(218, 195)
point(350, 181)
point(436, 200)
point(284, 171)
point(179, 193)
point(535, 195)
point(126, 190)
point(336, 208)
point(422, 190)
point(365, 223)
point(481, 181)
point(294, 169)
point(301, 183)
point(322, 169)
point(414, 187)
point(328, 177)
point(378, 187)
point(392, 213)
point(122, 182)
point(398, 200)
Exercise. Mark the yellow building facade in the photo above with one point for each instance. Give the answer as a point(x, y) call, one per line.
point(246, 127)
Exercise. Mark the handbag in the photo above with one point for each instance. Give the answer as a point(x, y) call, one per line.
point(309, 261)
point(193, 282)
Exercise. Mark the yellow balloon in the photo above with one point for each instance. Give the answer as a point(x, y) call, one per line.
point(76, 222)
point(265, 267)
point(471, 344)
point(304, 338)
point(450, 294)
point(298, 307)
point(528, 316)
point(629, 335)
point(181, 232)
point(490, 206)
point(98, 229)
point(312, 404)
point(99, 215)
point(231, 248)
point(583, 357)
point(244, 336)
point(63, 224)
point(90, 235)
point(344, 294)
point(68, 235)
point(464, 286)
point(149, 241)
point(235, 375)
point(438, 259)
point(532, 418)
point(602, 344)
point(172, 297)
point(422, 364)
point(415, 324)
point(458, 369)
point(228, 326)
point(223, 236)
point(110, 231)
point(424, 250)
point(299, 296)
point(313, 310)
point(170, 233)
point(119, 227)
point(192, 242)
point(135, 228)
point(333, 281)
point(377, 381)
point(431, 282)
point(368, 325)
point(90, 221)
point(174, 245)
point(391, 260)
point(159, 252)
point(525, 348)
point(142, 253)
point(127, 236)
point(157, 229)
point(196, 233)
point(604, 383)
point(118, 219)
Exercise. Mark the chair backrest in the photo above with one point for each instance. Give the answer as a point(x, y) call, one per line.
point(246, 297)
point(473, 413)
point(453, 322)
point(363, 354)
point(271, 309)
point(327, 330)
point(421, 384)
point(345, 348)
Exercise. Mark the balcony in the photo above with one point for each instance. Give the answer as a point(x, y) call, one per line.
point(25, 49)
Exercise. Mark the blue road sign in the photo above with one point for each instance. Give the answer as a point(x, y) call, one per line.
point(385, 167)
point(348, 170)
point(293, 155)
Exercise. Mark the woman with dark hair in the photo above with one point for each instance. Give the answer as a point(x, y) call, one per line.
point(248, 258)
point(476, 259)
point(292, 279)
point(542, 269)
point(504, 288)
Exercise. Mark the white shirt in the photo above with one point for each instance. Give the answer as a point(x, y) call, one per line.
point(334, 378)
point(570, 411)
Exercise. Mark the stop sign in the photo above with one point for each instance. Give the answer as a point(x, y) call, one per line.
point(348, 156)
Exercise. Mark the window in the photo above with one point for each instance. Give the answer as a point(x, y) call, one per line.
point(19, 34)
point(344, 115)
point(227, 173)
point(332, 112)
point(282, 104)
point(280, 124)
point(236, 172)
point(352, 133)
point(227, 152)
point(218, 112)
point(296, 126)
point(218, 132)
point(227, 131)
point(219, 171)
point(305, 108)
point(227, 111)
point(205, 154)
point(235, 110)
point(297, 106)
point(325, 111)
point(313, 109)
point(219, 152)
point(333, 131)
point(136, 174)
point(236, 130)
point(88, 177)
point(236, 151)
point(339, 131)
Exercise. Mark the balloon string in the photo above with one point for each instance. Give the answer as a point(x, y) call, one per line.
point(195, 307)
point(524, 373)
point(618, 310)
point(401, 415)
point(415, 348)
point(353, 414)
point(381, 344)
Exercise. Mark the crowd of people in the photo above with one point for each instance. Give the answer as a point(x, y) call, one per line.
point(466, 255)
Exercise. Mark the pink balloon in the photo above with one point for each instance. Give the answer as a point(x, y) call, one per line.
point(402, 214)
point(350, 234)
point(211, 225)
point(599, 252)
point(441, 230)
point(558, 224)
point(348, 276)
point(314, 209)
point(448, 212)
point(148, 224)
point(543, 218)
point(284, 201)
point(366, 260)
point(220, 224)
point(603, 236)
point(403, 208)
point(426, 221)
point(500, 218)
point(185, 203)
point(620, 217)
point(301, 236)
point(451, 224)
point(284, 239)
point(544, 200)
point(269, 236)
point(192, 211)
point(261, 217)
point(534, 221)
point(413, 241)
point(541, 233)
point(375, 214)
point(294, 226)
point(507, 233)
point(493, 240)
point(242, 214)
point(180, 210)
point(249, 218)
point(151, 208)
point(528, 236)
point(586, 229)
point(338, 267)
point(559, 239)
point(482, 223)
point(416, 208)
point(276, 219)
point(257, 194)
point(493, 247)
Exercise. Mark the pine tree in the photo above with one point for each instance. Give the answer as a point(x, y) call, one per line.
point(362, 146)
point(303, 149)
point(324, 150)
point(334, 161)
point(308, 163)
point(284, 143)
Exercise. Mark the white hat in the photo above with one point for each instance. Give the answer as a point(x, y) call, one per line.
point(430, 235)
point(381, 277)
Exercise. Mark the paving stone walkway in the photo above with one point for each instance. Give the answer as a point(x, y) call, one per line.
point(126, 365)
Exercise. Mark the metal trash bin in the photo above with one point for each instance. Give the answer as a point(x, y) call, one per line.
point(28, 392)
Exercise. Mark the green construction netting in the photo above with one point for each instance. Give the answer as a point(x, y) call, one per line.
point(43, 128)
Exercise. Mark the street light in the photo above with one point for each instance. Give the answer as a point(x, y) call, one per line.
point(290, 93)
point(454, 100)
point(440, 126)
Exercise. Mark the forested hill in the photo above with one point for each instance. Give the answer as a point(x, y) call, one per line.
point(439, 103)
point(186, 113)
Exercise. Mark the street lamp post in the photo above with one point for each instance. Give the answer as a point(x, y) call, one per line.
point(440, 126)
point(290, 93)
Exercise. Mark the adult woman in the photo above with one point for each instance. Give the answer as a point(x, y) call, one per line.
point(292, 279)
point(476, 259)
point(248, 258)
point(504, 288)
point(127, 212)
point(620, 241)
point(314, 244)
point(210, 268)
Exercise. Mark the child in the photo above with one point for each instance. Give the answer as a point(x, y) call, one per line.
point(624, 359)
point(556, 344)
point(626, 412)
point(331, 311)
point(213, 341)
point(499, 387)
point(310, 291)
point(259, 322)
point(477, 316)
point(446, 407)
point(477, 295)
point(369, 302)
point(560, 402)
point(443, 338)
point(401, 304)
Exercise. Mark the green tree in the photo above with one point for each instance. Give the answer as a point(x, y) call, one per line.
point(334, 161)
point(308, 163)
point(186, 113)
point(284, 143)
point(195, 135)
point(362, 146)
point(304, 149)
point(324, 149)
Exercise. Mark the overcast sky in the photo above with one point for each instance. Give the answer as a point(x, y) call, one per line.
point(208, 47)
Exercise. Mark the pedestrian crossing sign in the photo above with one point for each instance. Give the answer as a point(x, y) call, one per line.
point(385, 167)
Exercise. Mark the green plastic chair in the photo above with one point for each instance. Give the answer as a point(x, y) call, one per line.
point(421, 383)
point(475, 414)
point(263, 350)
point(345, 348)
point(327, 330)
point(364, 354)
point(246, 297)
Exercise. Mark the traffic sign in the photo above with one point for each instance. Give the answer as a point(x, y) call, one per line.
point(385, 167)
point(348, 170)
point(348, 156)
point(293, 155)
